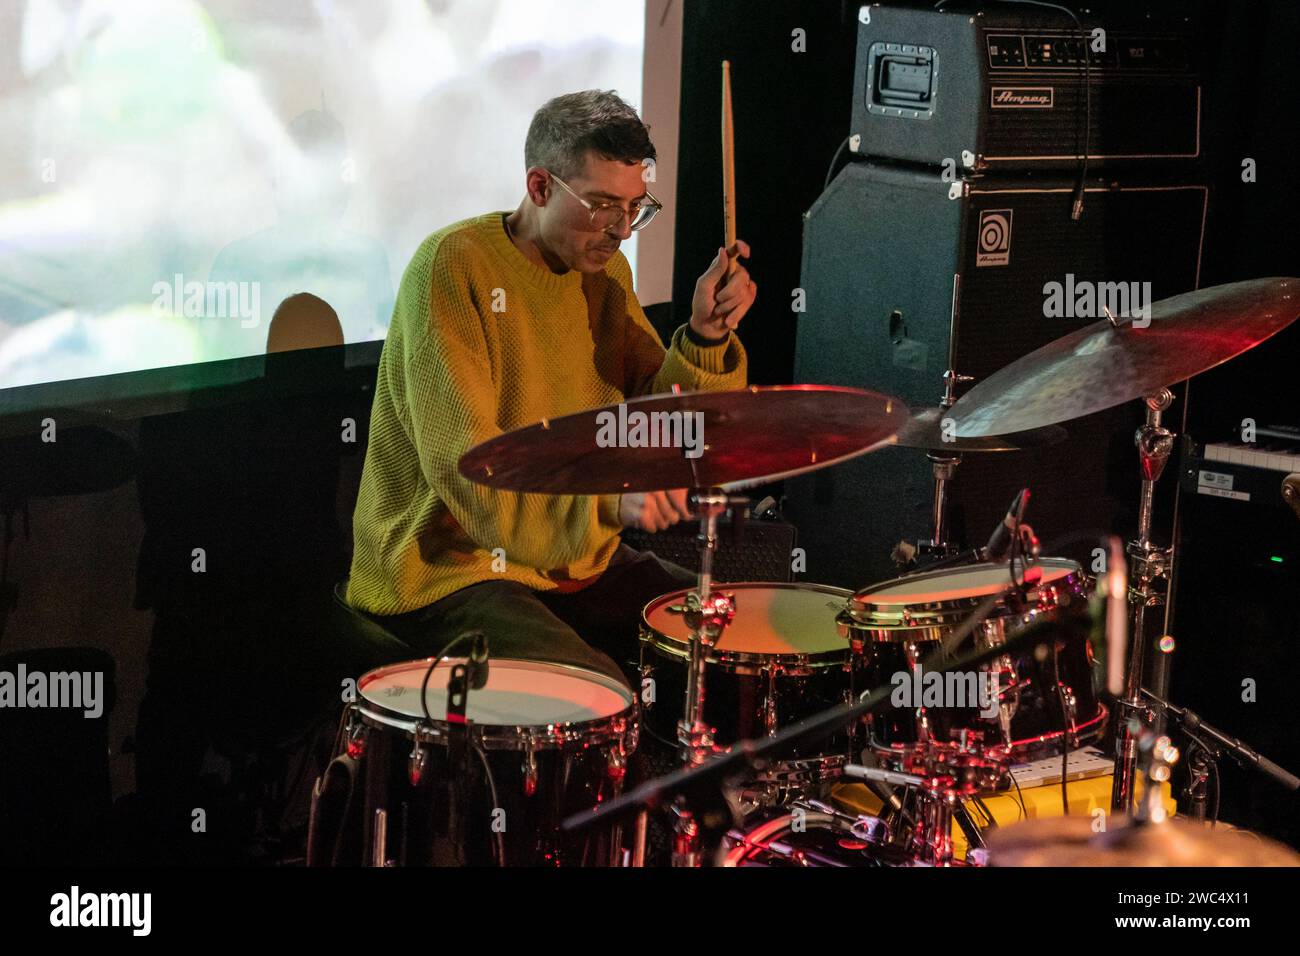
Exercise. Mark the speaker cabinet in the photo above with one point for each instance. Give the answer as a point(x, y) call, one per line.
point(907, 274)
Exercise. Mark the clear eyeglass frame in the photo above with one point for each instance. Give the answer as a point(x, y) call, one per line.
point(607, 215)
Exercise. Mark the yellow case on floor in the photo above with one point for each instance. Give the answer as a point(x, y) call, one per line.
point(1085, 796)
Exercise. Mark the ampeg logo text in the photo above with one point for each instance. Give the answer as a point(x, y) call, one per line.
point(1022, 97)
point(994, 238)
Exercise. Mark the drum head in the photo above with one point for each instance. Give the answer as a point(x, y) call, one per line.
point(518, 693)
point(956, 584)
point(772, 621)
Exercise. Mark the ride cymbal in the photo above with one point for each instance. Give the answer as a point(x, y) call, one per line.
point(927, 431)
point(695, 439)
point(1107, 364)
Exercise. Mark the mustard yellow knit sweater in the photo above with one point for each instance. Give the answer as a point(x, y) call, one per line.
point(483, 341)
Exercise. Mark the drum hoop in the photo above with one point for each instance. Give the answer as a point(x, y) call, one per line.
point(669, 646)
point(754, 839)
point(582, 733)
point(944, 614)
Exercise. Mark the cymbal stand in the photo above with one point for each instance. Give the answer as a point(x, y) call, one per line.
point(943, 466)
point(707, 614)
point(1148, 564)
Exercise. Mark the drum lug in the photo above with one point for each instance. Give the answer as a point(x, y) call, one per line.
point(1008, 691)
point(419, 758)
point(617, 767)
point(631, 731)
point(355, 735)
point(1071, 709)
point(530, 766)
point(770, 716)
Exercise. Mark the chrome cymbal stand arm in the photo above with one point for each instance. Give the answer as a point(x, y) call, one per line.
point(944, 466)
point(707, 614)
point(1148, 564)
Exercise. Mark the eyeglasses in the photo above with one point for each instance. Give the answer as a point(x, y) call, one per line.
point(606, 216)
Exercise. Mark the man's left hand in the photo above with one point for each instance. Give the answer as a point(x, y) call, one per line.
point(721, 301)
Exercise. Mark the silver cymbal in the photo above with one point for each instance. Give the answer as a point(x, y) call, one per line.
point(760, 433)
point(927, 431)
point(1107, 364)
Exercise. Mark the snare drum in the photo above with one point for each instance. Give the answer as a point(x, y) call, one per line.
point(542, 741)
point(780, 660)
point(894, 625)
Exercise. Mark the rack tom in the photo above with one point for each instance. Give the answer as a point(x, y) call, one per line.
point(780, 660)
point(895, 626)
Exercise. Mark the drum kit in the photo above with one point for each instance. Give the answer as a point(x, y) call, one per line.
point(772, 694)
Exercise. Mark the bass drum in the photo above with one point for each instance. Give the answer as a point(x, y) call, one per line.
point(894, 626)
point(543, 741)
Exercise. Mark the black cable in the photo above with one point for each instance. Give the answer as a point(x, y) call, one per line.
point(646, 728)
point(989, 822)
point(831, 170)
point(339, 733)
point(424, 686)
point(1017, 545)
point(1066, 737)
point(1020, 797)
point(1212, 761)
point(496, 803)
point(1068, 538)
point(1214, 818)
point(474, 744)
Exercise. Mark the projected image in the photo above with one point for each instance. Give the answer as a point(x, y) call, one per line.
point(171, 171)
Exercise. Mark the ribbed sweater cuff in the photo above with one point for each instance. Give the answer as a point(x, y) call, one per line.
point(716, 359)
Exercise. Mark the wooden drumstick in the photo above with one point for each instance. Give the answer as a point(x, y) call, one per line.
point(728, 170)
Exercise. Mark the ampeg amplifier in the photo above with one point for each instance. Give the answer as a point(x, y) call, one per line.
point(1003, 90)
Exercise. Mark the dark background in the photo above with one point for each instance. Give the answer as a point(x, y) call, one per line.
point(264, 480)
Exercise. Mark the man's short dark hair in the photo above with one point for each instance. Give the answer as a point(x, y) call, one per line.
point(568, 126)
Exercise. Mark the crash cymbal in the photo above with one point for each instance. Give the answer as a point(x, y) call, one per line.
point(926, 431)
point(1070, 841)
point(1104, 365)
point(737, 438)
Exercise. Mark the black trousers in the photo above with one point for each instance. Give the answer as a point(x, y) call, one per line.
point(596, 627)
